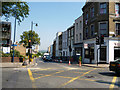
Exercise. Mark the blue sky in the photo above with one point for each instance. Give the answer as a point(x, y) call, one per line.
point(51, 17)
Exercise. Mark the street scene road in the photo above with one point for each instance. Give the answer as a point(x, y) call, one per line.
point(65, 45)
point(58, 75)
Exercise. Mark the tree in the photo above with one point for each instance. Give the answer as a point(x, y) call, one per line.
point(29, 35)
point(20, 10)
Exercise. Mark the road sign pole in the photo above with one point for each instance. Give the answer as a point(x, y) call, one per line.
point(14, 34)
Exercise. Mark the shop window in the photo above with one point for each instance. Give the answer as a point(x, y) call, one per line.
point(92, 53)
point(86, 53)
point(116, 52)
point(117, 28)
point(103, 8)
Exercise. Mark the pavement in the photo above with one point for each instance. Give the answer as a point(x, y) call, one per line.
point(95, 65)
point(88, 65)
point(17, 64)
point(10, 65)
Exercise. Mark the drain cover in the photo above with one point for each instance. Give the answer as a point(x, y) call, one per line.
point(89, 76)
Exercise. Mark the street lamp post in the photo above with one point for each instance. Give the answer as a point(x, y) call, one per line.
point(14, 33)
point(31, 38)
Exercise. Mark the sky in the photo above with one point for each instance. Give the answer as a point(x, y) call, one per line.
point(51, 17)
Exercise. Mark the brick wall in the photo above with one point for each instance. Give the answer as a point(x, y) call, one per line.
point(21, 49)
point(9, 59)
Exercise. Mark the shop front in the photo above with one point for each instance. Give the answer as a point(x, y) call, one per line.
point(78, 49)
point(116, 50)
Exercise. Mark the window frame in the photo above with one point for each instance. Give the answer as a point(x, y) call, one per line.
point(91, 30)
point(86, 33)
point(106, 28)
point(118, 29)
point(102, 8)
point(117, 13)
point(92, 11)
point(86, 18)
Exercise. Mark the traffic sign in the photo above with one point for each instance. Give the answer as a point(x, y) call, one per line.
point(13, 45)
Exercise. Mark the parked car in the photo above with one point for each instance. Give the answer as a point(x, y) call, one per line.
point(115, 66)
point(44, 57)
point(48, 58)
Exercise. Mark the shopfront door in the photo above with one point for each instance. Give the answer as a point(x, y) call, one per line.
point(103, 54)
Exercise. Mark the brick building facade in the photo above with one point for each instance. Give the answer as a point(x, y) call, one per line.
point(101, 18)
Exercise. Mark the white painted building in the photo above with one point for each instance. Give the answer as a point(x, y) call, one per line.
point(70, 40)
point(110, 50)
point(57, 43)
point(96, 23)
point(51, 50)
point(78, 36)
point(64, 43)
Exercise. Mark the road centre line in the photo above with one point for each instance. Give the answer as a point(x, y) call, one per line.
point(113, 83)
point(73, 79)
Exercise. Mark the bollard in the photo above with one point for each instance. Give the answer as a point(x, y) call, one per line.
point(69, 63)
point(80, 63)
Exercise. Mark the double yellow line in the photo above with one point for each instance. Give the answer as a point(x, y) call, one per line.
point(31, 78)
point(73, 79)
point(113, 83)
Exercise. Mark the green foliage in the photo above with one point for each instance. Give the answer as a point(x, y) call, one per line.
point(22, 56)
point(80, 58)
point(20, 10)
point(16, 53)
point(29, 35)
point(36, 55)
point(6, 55)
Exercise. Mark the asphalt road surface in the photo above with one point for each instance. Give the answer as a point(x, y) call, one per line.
point(59, 75)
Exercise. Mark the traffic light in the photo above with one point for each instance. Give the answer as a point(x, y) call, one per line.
point(102, 39)
point(97, 40)
point(29, 44)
